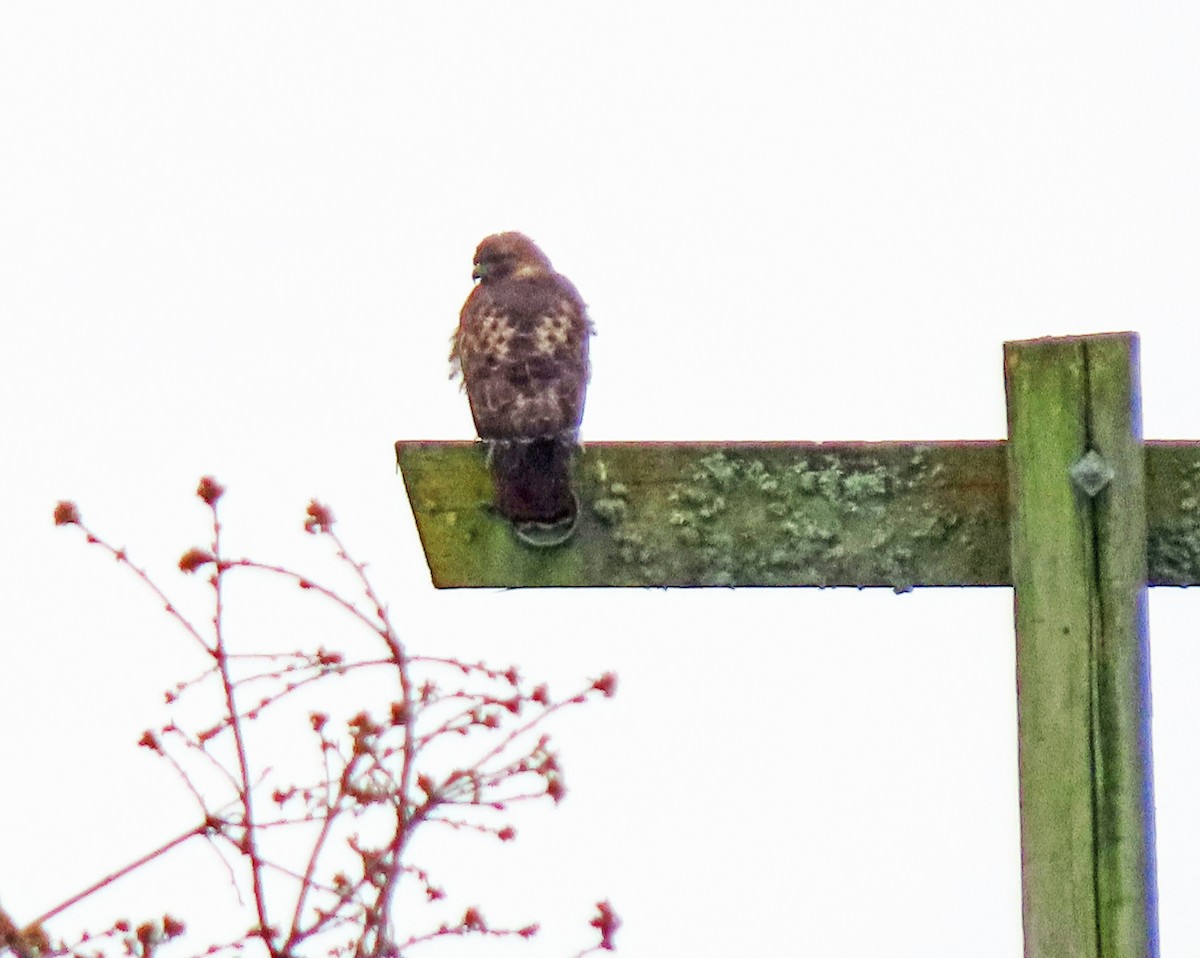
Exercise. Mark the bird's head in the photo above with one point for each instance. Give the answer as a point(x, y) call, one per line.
point(502, 255)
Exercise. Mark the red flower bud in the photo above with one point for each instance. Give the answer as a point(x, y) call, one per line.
point(193, 559)
point(607, 923)
point(320, 518)
point(210, 490)
point(66, 514)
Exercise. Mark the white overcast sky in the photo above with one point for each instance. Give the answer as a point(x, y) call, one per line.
point(235, 237)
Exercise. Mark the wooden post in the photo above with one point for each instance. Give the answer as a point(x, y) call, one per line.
point(1078, 526)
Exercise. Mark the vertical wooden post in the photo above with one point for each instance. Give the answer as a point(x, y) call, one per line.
point(1078, 527)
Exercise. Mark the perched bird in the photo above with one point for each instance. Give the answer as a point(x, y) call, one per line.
point(522, 348)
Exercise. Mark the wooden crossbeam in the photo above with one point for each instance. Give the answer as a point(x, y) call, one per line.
point(894, 514)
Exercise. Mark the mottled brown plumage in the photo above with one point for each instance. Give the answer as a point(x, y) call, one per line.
point(522, 347)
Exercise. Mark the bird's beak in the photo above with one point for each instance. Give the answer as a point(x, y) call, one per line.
point(479, 271)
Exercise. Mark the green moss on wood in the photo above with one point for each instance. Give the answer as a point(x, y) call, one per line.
point(1173, 507)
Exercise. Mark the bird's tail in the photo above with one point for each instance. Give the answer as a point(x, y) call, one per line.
point(532, 482)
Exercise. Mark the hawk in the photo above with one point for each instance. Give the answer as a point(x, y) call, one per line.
point(522, 348)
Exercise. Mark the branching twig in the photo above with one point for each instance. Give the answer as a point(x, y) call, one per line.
point(373, 759)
